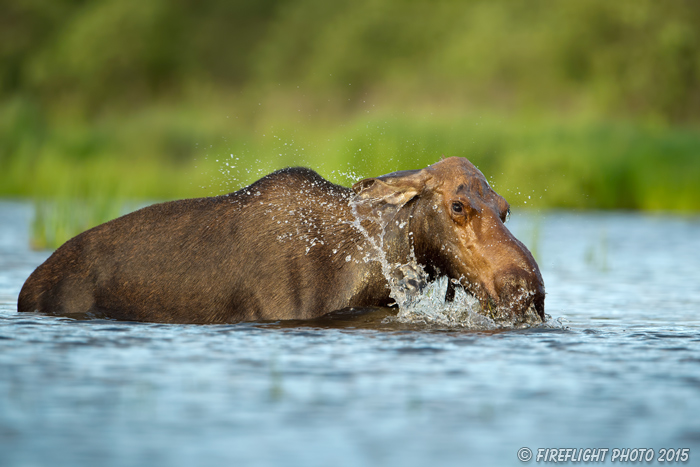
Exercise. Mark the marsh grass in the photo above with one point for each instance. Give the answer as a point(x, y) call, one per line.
point(199, 101)
point(596, 255)
point(58, 220)
point(534, 237)
point(167, 153)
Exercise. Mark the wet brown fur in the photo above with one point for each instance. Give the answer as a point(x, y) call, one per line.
point(278, 249)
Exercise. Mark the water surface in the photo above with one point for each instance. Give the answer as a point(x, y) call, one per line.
point(624, 373)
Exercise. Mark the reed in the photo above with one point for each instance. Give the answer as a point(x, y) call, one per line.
point(169, 153)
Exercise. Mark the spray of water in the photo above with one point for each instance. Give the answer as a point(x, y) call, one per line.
point(421, 301)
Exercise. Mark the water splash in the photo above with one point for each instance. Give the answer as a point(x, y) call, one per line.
point(364, 210)
point(424, 302)
point(430, 307)
point(419, 301)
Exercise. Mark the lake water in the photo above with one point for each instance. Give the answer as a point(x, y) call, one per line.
point(624, 373)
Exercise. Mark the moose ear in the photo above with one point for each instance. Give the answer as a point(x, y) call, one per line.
point(395, 188)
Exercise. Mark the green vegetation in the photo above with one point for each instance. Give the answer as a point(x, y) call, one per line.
point(58, 220)
point(585, 104)
point(533, 162)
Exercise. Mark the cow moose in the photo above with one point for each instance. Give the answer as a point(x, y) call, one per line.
point(292, 246)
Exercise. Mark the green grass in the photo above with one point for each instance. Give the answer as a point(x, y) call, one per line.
point(199, 101)
point(58, 220)
point(173, 153)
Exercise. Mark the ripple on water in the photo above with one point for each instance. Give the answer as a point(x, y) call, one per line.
point(81, 393)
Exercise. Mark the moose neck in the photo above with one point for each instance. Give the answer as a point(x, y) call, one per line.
point(378, 243)
point(398, 236)
point(386, 233)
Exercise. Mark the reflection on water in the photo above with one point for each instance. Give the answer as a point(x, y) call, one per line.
point(343, 391)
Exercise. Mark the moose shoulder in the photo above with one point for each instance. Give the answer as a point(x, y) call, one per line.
point(291, 246)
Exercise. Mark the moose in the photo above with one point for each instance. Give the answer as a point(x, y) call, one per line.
point(292, 246)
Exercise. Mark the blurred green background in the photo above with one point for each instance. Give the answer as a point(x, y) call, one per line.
point(586, 104)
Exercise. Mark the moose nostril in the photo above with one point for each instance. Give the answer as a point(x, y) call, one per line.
point(508, 283)
point(517, 290)
point(539, 303)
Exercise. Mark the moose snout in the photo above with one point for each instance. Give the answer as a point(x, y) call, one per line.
point(517, 289)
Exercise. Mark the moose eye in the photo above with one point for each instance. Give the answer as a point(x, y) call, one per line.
point(457, 207)
point(506, 216)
